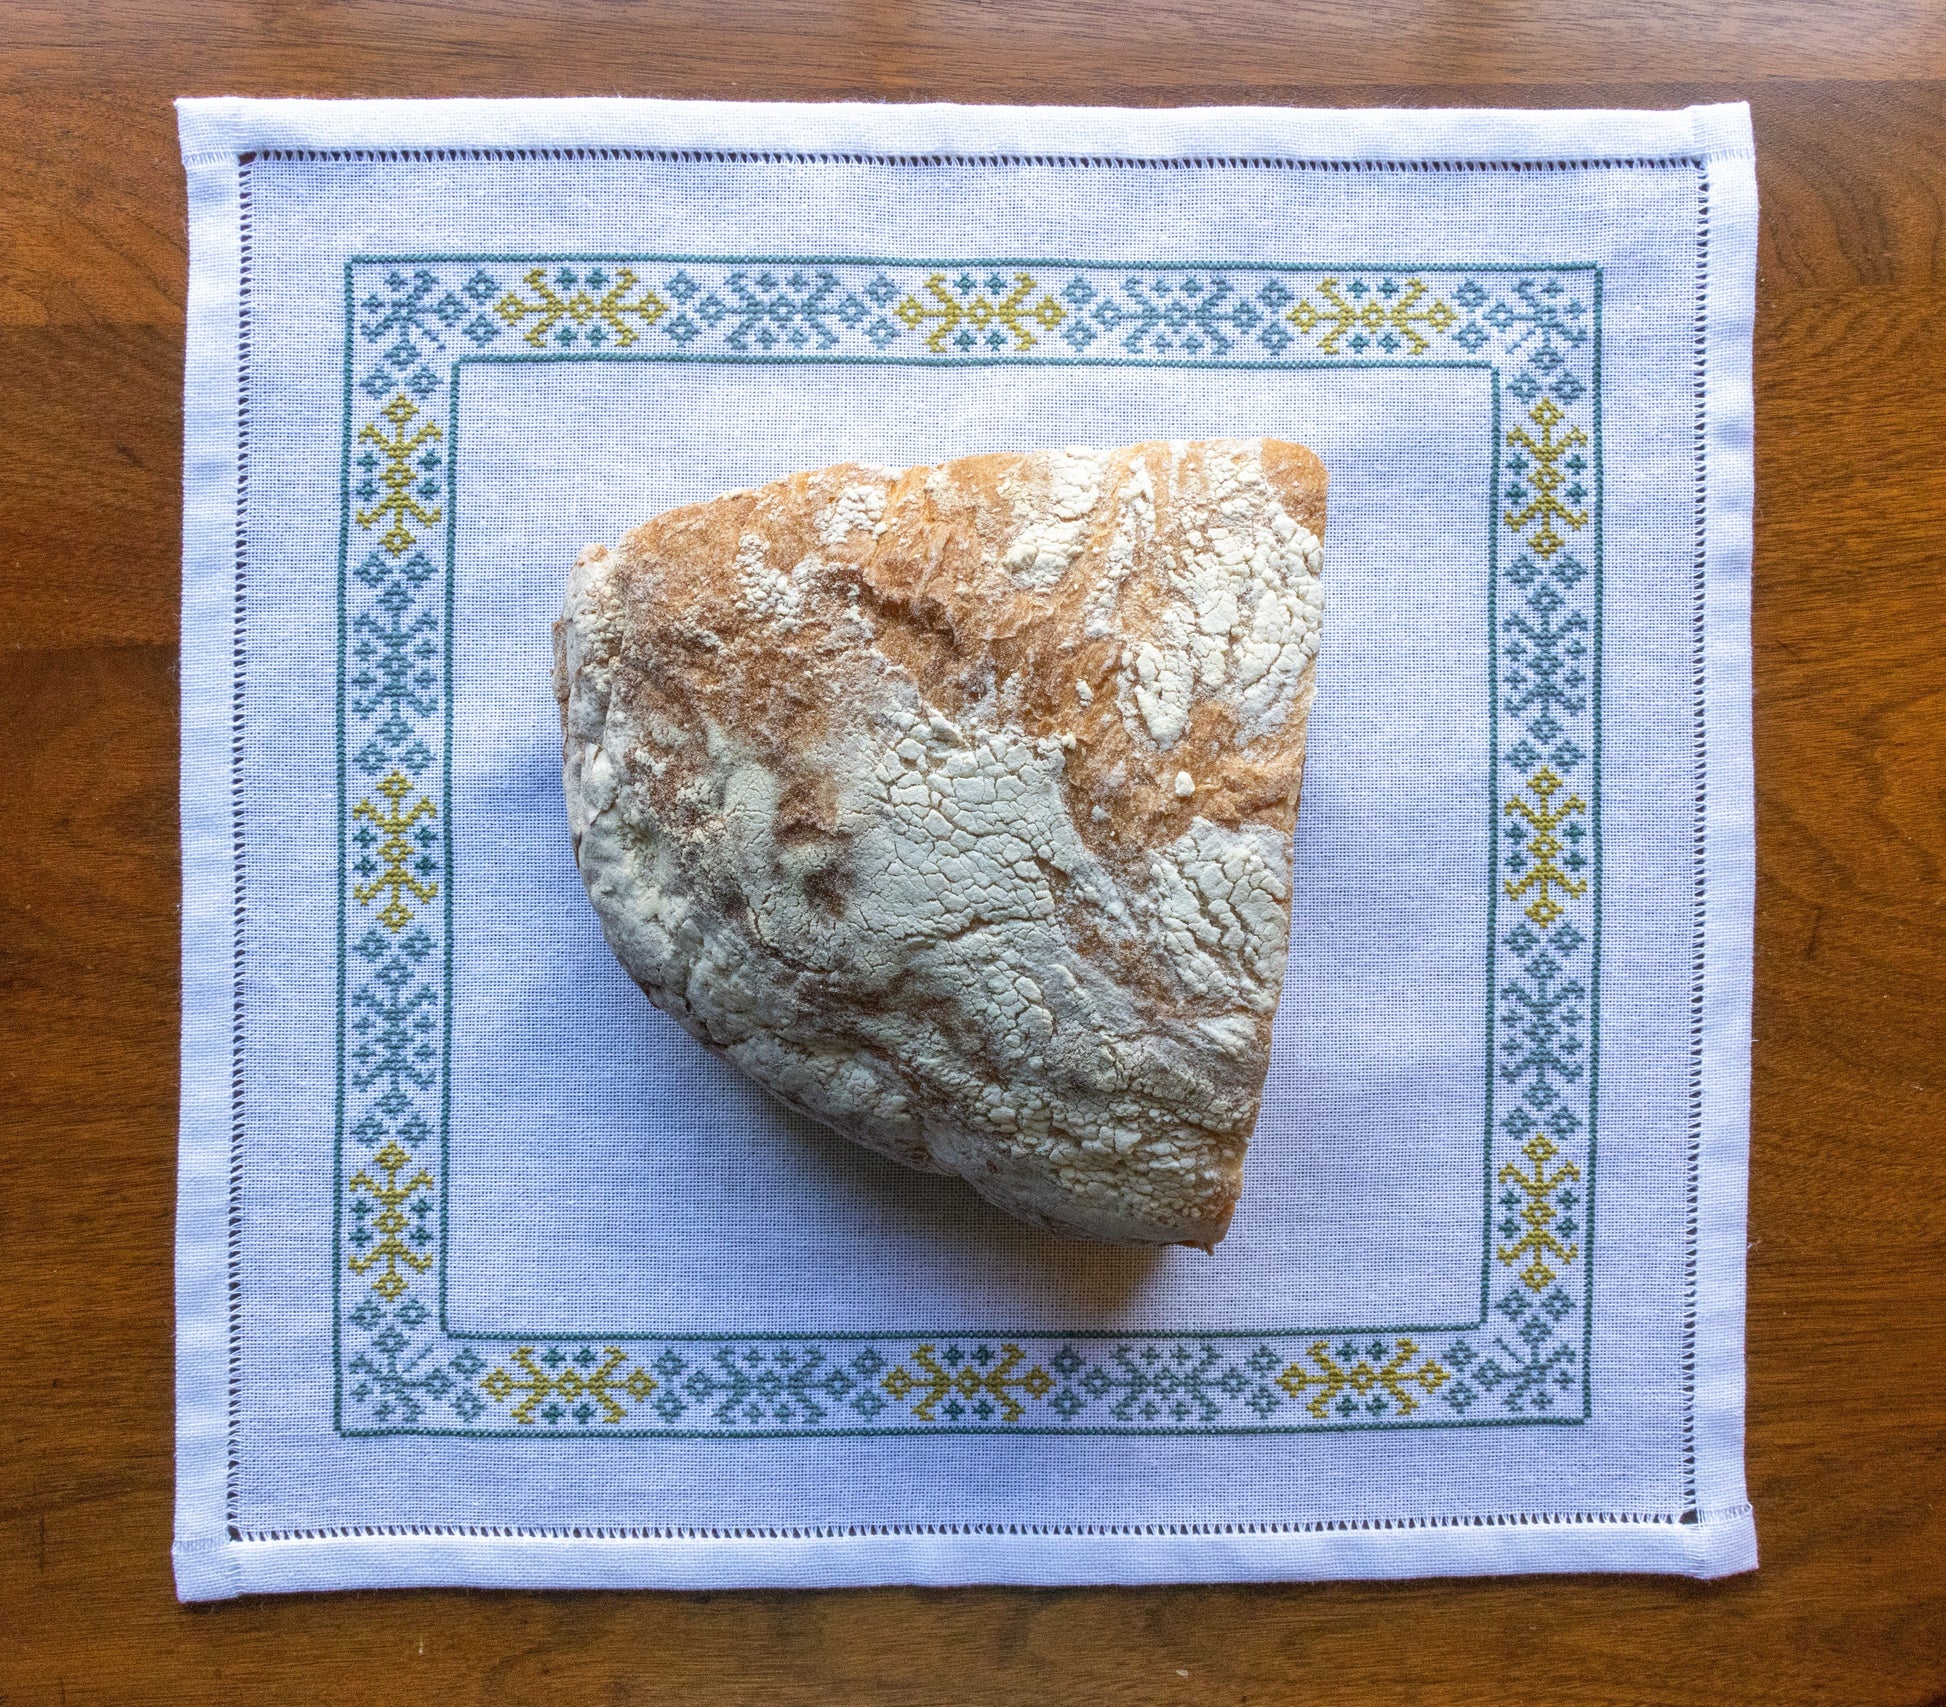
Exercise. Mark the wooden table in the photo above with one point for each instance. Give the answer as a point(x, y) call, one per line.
point(1847, 1444)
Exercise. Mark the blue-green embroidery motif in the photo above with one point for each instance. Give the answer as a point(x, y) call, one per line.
point(414, 324)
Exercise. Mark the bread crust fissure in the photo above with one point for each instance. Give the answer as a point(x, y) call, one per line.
point(955, 804)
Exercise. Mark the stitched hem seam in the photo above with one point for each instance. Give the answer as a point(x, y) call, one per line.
point(862, 1531)
point(1116, 162)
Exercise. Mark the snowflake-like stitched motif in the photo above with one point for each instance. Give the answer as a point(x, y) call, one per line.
point(412, 331)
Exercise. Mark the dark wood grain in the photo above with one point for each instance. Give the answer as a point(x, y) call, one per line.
point(1847, 1335)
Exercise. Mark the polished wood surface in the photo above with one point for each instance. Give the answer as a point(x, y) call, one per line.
point(1847, 1335)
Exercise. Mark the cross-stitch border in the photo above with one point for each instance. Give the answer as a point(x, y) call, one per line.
point(563, 1384)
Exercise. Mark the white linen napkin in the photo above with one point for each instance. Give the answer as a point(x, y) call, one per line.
point(488, 1275)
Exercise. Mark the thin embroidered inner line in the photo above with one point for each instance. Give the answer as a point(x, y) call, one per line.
point(840, 1532)
point(760, 157)
point(239, 658)
point(1699, 900)
point(842, 157)
point(1542, 454)
point(577, 307)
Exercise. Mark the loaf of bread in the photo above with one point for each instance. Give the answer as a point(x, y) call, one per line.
point(954, 804)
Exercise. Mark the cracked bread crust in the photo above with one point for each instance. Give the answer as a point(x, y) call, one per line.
point(954, 804)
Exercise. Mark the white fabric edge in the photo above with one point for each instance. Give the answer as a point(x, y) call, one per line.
point(1730, 818)
point(210, 448)
point(234, 125)
point(1719, 1546)
point(210, 1565)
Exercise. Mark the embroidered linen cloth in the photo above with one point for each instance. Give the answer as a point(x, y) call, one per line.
point(488, 1275)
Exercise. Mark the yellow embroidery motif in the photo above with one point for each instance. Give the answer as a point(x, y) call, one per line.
point(395, 849)
point(934, 1383)
point(1334, 1380)
point(399, 475)
point(1544, 848)
point(1530, 334)
point(1544, 506)
point(1539, 1241)
point(968, 318)
point(1398, 318)
point(391, 1222)
point(599, 317)
point(571, 1382)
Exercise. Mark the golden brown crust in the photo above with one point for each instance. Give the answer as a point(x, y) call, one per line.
point(1122, 639)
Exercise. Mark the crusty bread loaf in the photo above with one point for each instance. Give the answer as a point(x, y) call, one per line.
point(955, 804)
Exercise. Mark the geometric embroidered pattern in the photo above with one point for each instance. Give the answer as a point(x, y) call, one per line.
point(414, 324)
point(1349, 1371)
point(1540, 1239)
point(1541, 847)
point(407, 468)
point(954, 315)
point(1335, 317)
point(595, 319)
point(407, 860)
point(1546, 462)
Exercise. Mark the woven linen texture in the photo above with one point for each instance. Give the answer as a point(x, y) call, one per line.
point(503, 1252)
